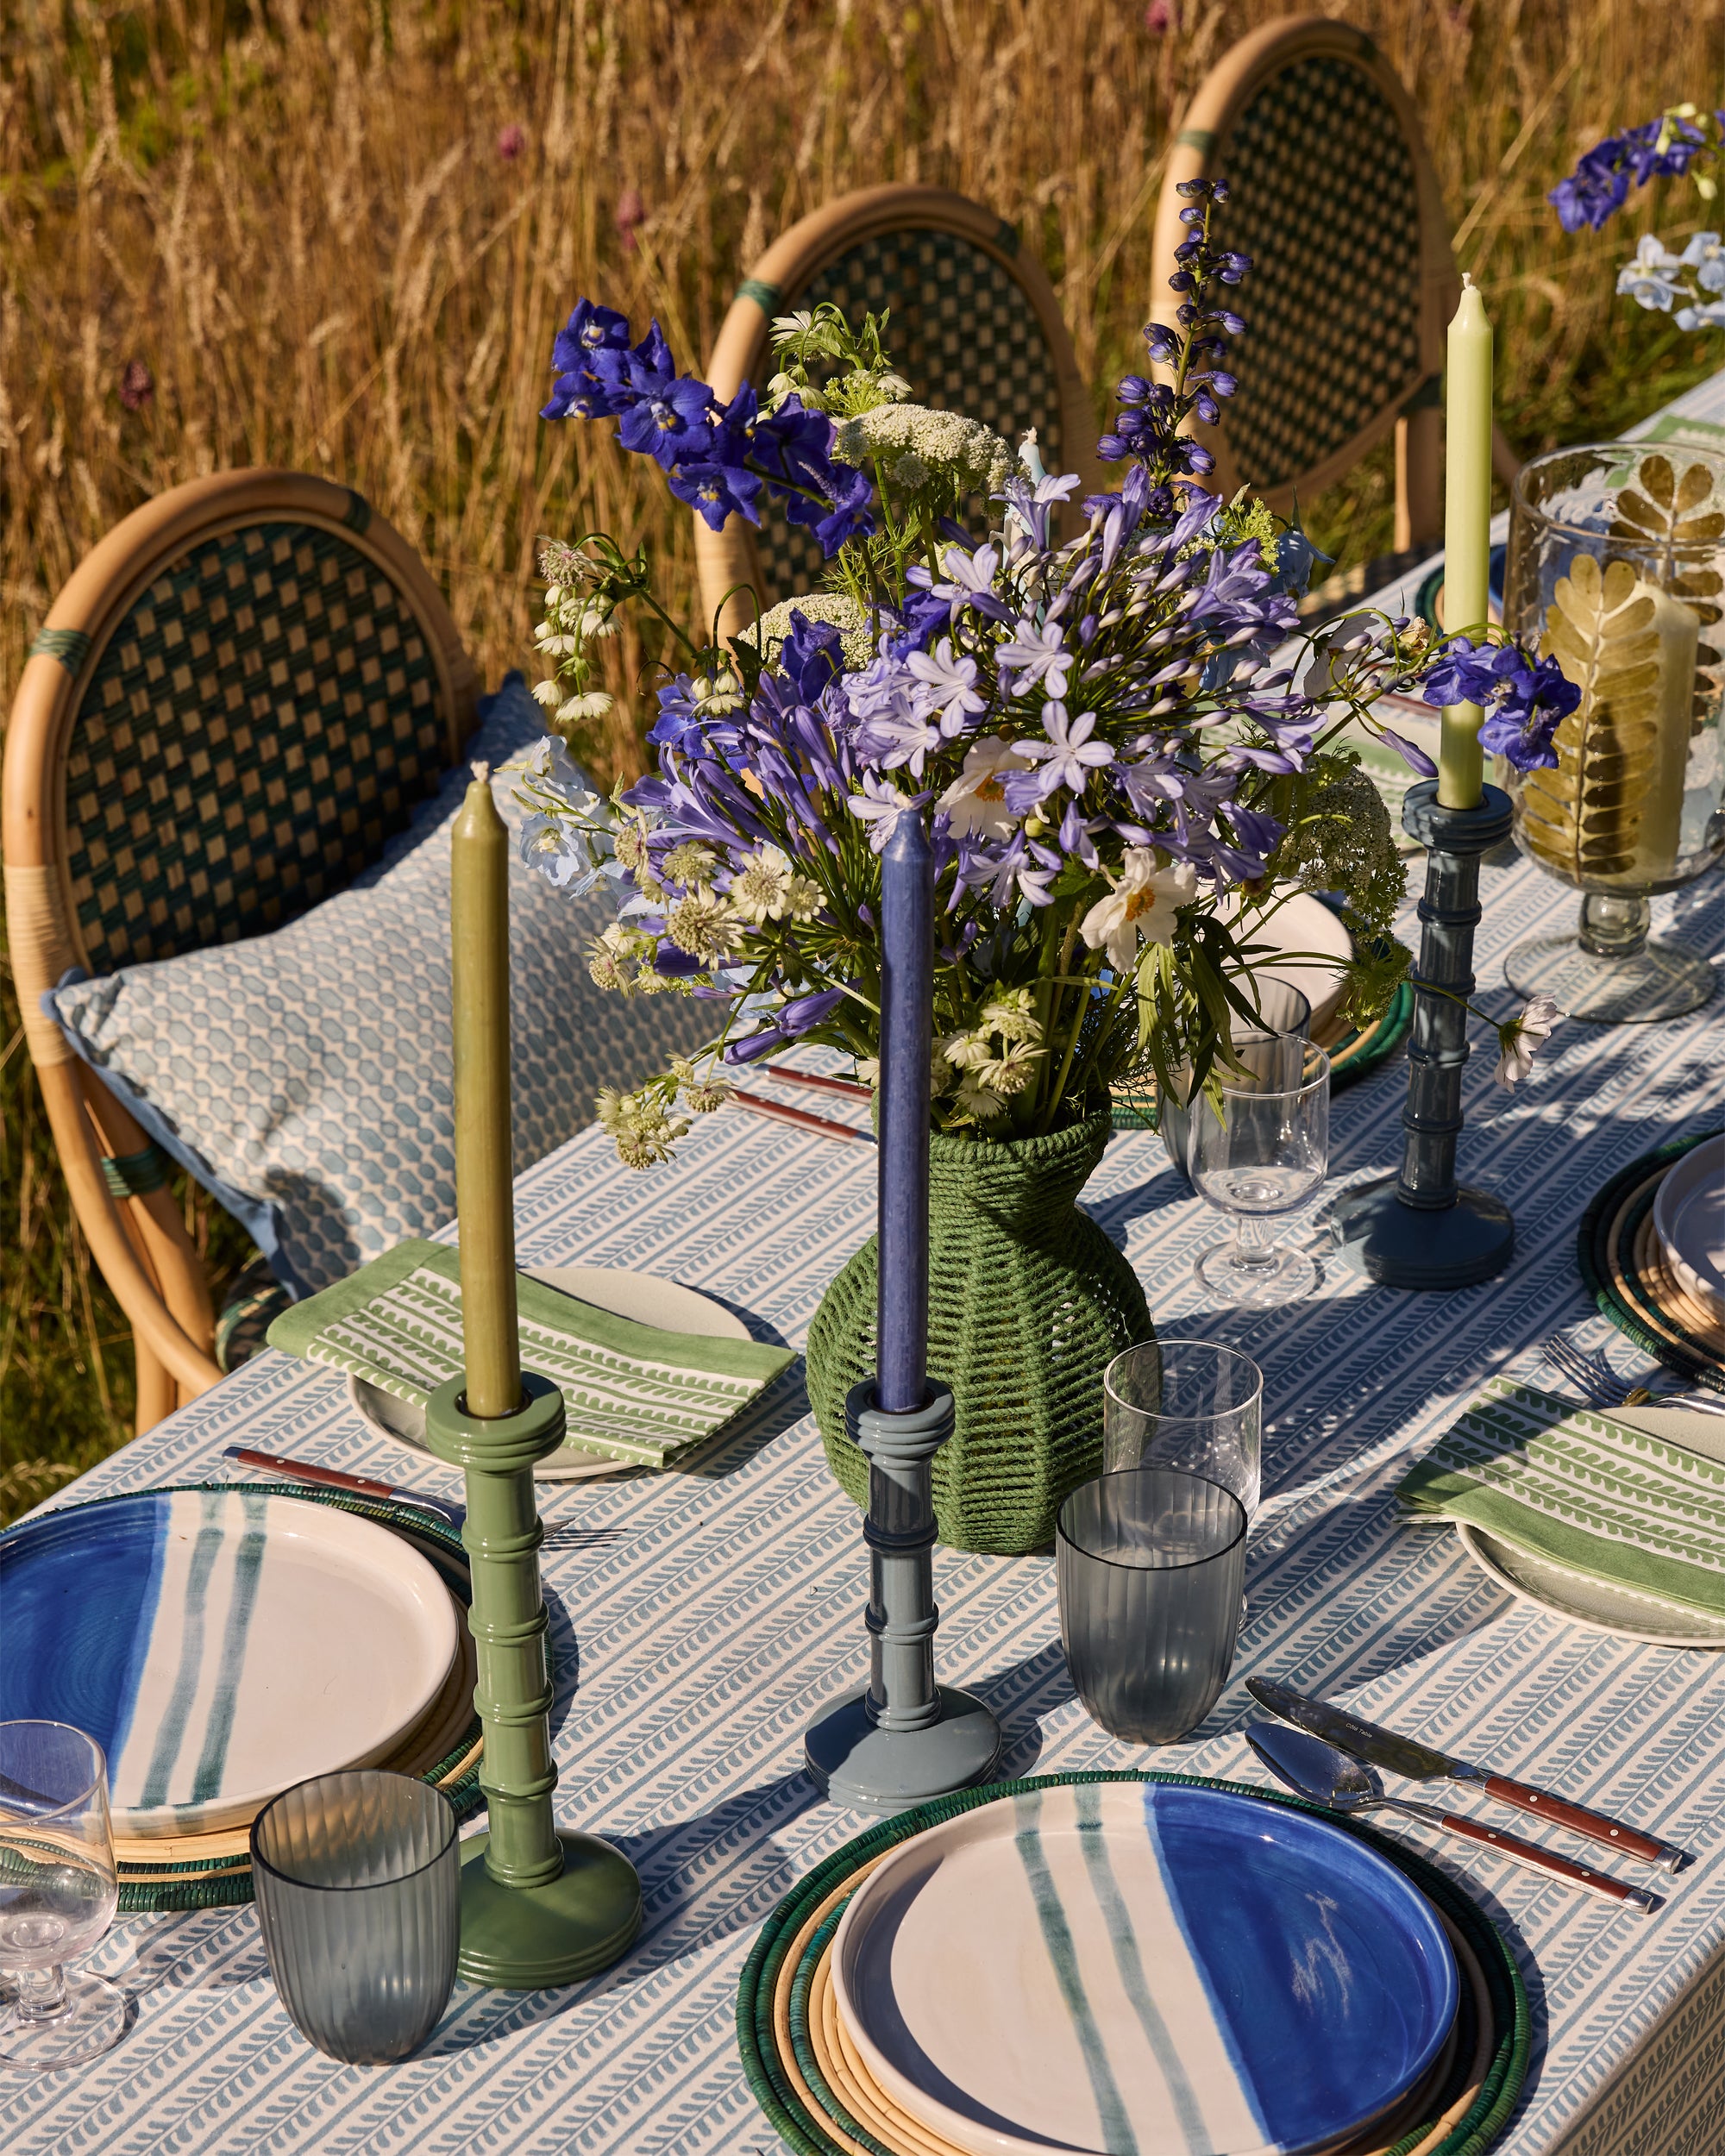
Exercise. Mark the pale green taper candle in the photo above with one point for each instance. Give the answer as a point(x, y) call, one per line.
point(478, 924)
point(1467, 531)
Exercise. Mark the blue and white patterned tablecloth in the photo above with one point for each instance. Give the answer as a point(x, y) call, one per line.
point(700, 1618)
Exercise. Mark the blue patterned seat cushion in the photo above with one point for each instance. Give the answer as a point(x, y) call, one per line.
point(304, 1077)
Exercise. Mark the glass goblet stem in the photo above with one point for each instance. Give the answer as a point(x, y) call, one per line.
point(40, 1993)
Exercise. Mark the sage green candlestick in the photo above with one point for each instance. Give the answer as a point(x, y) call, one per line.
point(540, 1906)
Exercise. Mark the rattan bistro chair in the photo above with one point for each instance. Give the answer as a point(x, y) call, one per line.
point(1332, 194)
point(239, 698)
point(976, 327)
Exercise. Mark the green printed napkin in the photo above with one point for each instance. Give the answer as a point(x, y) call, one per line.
point(633, 1392)
point(1587, 1493)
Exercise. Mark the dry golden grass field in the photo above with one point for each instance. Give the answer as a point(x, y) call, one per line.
point(340, 238)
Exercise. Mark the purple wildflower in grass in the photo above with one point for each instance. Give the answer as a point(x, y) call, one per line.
point(1599, 186)
point(137, 385)
point(510, 142)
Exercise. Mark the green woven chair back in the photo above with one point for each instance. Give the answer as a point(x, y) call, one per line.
point(962, 334)
point(1324, 198)
point(264, 719)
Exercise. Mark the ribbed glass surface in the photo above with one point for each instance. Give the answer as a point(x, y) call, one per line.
point(358, 1880)
point(1150, 1564)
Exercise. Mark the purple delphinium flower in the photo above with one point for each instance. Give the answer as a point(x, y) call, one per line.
point(1521, 730)
point(715, 492)
point(1600, 185)
point(718, 458)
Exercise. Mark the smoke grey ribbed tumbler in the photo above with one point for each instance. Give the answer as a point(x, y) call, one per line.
point(1150, 1563)
point(357, 1880)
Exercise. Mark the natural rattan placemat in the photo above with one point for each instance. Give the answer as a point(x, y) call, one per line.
point(1627, 1275)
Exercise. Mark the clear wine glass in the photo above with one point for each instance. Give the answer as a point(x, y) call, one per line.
point(1265, 1151)
point(59, 1891)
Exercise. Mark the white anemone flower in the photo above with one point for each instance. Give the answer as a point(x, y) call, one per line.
point(975, 802)
point(1141, 907)
point(1521, 1039)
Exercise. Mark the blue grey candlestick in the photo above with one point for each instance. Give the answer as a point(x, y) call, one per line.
point(1420, 1228)
point(903, 1738)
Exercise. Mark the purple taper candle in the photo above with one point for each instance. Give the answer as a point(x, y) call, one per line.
point(907, 1030)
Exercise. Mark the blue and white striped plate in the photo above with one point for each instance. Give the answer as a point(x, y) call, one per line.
point(219, 1646)
point(1121, 1968)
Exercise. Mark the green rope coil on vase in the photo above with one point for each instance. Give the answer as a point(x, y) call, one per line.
point(1028, 1302)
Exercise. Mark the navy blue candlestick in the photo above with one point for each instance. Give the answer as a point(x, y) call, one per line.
point(1421, 1228)
point(903, 1738)
point(906, 1043)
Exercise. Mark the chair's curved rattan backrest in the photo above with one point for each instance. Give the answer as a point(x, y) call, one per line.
point(239, 697)
point(974, 328)
point(249, 728)
point(1332, 194)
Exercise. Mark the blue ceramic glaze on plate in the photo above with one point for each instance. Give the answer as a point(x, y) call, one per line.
point(219, 1646)
point(1143, 1971)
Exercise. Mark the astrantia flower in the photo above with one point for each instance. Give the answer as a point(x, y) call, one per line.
point(702, 924)
point(689, 864)
point(641, 1127)
point(975, 802)
point(1141, 907)
point(766, 887)
point(589, 704)
point(975, 1102)
point(1521, 1040)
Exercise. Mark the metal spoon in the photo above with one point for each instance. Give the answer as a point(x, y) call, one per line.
point(1319, 1772)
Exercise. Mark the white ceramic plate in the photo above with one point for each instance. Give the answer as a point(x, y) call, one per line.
point(1305, 924)
point(220, 1646)
point(1689, 1218)
point(1585, 1600)
point(1135, 1966)
point(642, 1297)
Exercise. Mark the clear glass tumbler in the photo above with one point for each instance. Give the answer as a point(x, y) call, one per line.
point(1188, 1403)
point(59, 1891)
point(358, 1883)
point(1266, 1151)
point(1616, 565)
point(1150, 1564)
point(1281, 1008)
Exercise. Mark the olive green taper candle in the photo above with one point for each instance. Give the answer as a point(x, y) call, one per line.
point(540, 1905)
point(485, 1173)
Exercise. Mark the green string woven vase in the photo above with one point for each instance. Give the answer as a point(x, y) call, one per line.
point(1028, 1302)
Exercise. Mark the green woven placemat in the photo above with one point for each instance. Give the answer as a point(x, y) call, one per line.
point(806, 2132)
point(214, 1882)
point(1596, 1243)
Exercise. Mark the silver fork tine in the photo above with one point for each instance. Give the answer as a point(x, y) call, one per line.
point(1598, 1381)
